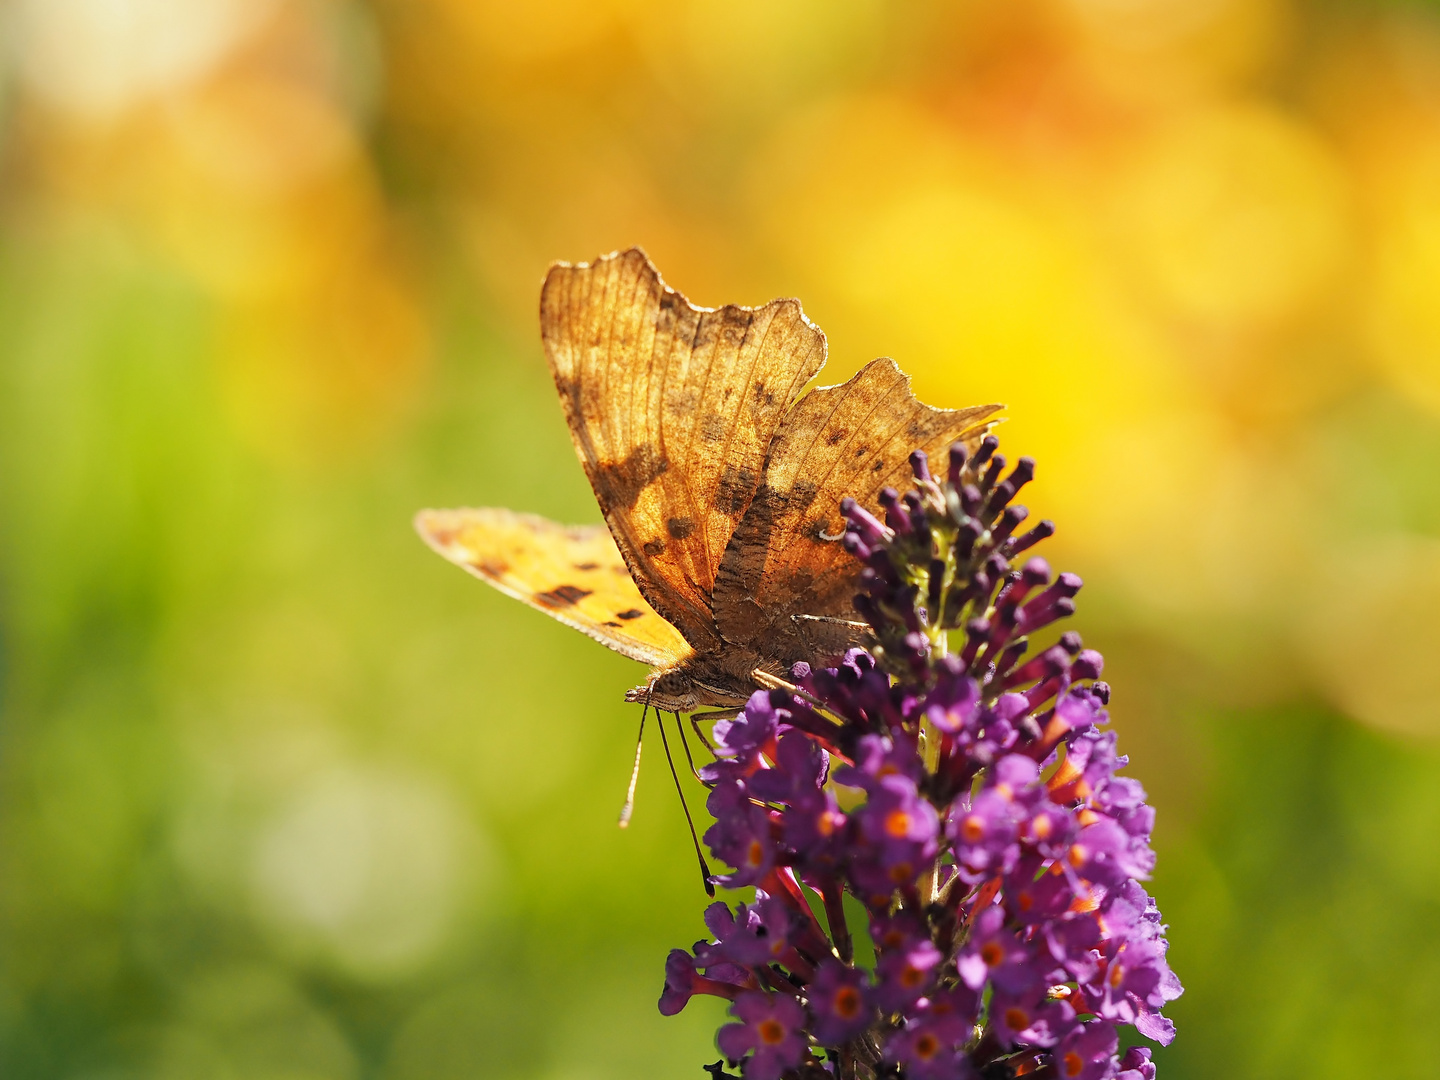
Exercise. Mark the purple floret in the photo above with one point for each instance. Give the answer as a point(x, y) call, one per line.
point(840, 1002)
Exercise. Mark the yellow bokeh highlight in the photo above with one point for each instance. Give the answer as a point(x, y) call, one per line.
point(313, 376)
point(1166, 51)
point(531, 31)
point(1235, 216)
point(1404, 315)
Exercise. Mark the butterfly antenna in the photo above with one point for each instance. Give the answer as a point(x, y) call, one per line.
point(704, 867)
point(629, 807)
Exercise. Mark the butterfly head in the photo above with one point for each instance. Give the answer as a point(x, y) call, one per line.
point(699, 682)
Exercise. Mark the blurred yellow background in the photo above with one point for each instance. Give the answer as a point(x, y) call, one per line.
point(284, 795)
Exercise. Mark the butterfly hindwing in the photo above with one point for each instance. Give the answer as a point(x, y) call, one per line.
point(572, 573)
point(672, 409)
point(784, 560)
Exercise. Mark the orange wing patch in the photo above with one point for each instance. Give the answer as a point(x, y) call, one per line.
point(572, 573)
point(672, 408)
point(854, 439)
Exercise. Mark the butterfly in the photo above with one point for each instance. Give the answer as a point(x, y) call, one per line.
point(719, 474)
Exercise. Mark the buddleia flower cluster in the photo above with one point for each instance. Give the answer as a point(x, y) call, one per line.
point(962, 787)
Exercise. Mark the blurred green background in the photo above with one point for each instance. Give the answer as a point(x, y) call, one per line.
point(284, 795)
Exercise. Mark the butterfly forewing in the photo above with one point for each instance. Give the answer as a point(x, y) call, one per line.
point(784, 559)
point(672, 409)
point(573, 573)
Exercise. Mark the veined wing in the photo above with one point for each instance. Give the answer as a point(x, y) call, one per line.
point(672, 409)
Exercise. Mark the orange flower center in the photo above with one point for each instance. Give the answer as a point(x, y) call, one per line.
point(972, 829)
point(1072, 1063)
point(772, 1032)
point(1016, 1018)
point(927, 1046)
point(847, 1002)
point(897, 824)
point(991, 953)
point(757, 853)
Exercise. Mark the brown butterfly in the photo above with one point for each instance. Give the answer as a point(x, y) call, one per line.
point(719, 477)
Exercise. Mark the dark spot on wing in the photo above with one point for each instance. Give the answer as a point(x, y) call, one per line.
point(568, 388)
point(614, 624)
point(587, 566)
point(654, 547)
point(680, 527)
point(713, 426)
point(735, 490)
point(763, 394)
point(879, 464)
point(861, 451)
point(492, 567)
point(705, 331)
point(837, 436)
point(802, 493)
point(633, 613)
point(621, 482)
point(562, 596)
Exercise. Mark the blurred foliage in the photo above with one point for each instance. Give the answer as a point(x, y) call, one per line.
point(283, 795)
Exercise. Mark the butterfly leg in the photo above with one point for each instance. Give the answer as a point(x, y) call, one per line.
point(686, 743)
point(717, 714)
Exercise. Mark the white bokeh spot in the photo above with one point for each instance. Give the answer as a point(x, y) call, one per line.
point(369, 867)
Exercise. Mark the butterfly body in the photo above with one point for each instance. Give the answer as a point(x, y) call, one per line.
point(719, 478)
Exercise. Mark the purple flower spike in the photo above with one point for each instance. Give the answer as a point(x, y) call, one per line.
point(957, 791)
